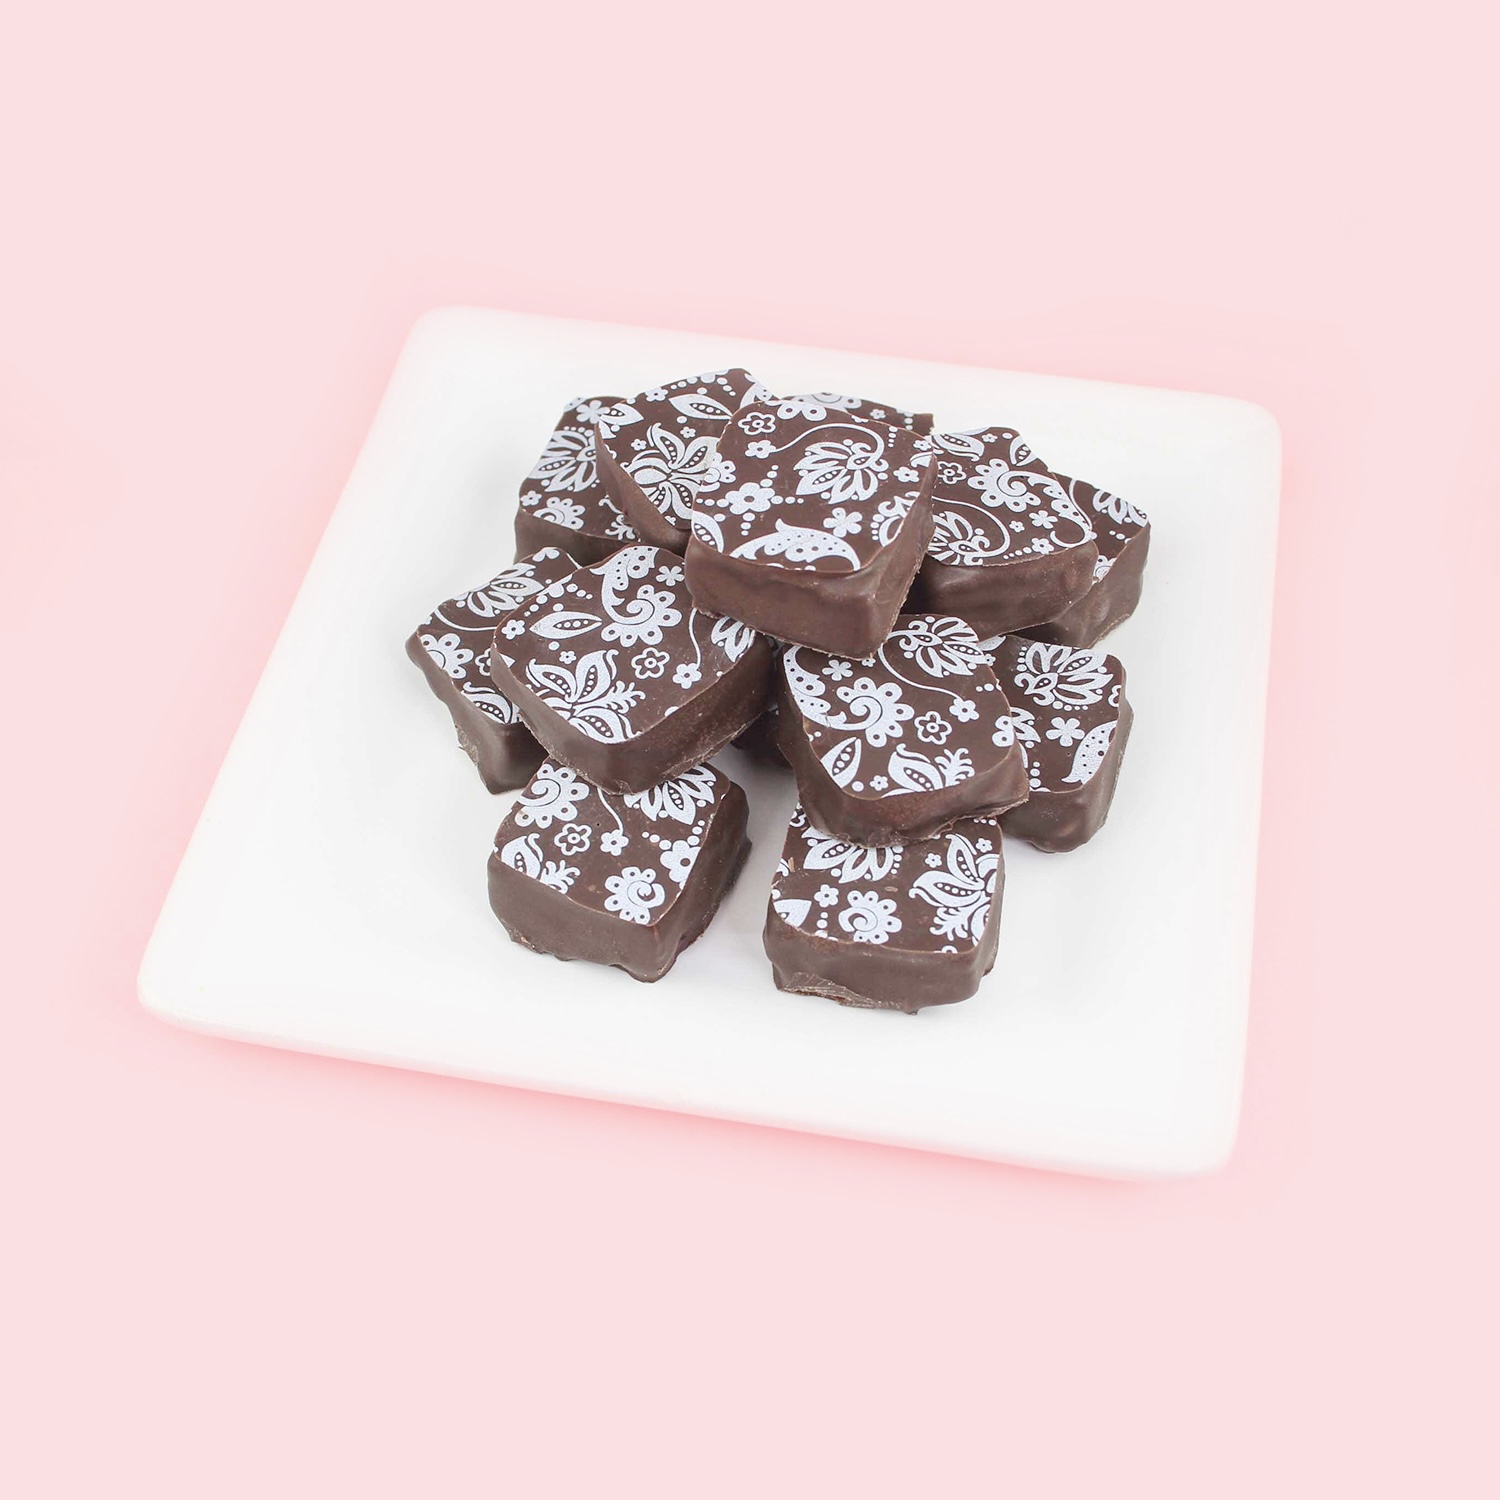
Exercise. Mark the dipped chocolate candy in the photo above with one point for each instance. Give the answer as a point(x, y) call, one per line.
point(897, 747)
point(658, 448)
point(1072, 719)
point(452, 647)
point(811, 529)
point(819, 404)
point(625, 880)
point(620, 677)
point(1010, 548)
point(895, 928)
point(1123, 536)
point(563, 502)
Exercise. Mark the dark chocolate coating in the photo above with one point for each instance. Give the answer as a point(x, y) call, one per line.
point(452, 648)
point(619, 676)
point(818, 404)
point(759, 741)
point(815, 528)
point(1071, 716)
point(897, 748)
point(657, 448)
point(563, 503)
point(1009, 547)
point(1123, 538)
point(627, 881)
point(897, 928)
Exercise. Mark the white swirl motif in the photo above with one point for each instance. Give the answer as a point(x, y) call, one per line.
point(508, 589)
point(1118, 509)
point(869, 917)
point(590, 697)
point(848, 861)
point(914, 772)
point(961, 891)
point(553, 793)
point(957, 541)
point(633, 894)
point(642, 618)
point(731, 637)
point(941, 645)
point(1016, 489)
point(449, 652)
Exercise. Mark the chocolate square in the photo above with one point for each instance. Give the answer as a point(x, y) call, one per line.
point(657, 448)
point(563, 501)
point(1010, 548)
point(1072, 718)
point(452, 647)
point(625, 880)
point(1123, 536)
point(619, 676)
point(897, 747)
point(895, 928)
point(812, 527)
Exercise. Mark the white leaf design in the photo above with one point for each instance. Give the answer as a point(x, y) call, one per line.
point(851, 861)
point(1089, 756)
point(700, 408)
point(842, 761)
point(680, 798)
point(589, 697)
point(798, 544)
point(961, 444)
point(914, 772)
point(793, 912)
point(708, 530)
point(731, 636)
point(563, 626)
point(524, 854)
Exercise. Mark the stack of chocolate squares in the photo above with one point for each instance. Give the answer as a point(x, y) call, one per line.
point(905, 619)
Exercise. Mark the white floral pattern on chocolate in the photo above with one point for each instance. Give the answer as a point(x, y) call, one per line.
point(456, 635)
point(816, 406)
point(629, 856)
point(823, 494)
point(1116, 522)
point(994, 501)
point(664, 438)
point(564, 487)
point(932, 895)
point(1065, 707)
point(595, 646)
point(918, 716)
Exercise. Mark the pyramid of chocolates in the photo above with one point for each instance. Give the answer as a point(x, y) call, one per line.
point(904, 619)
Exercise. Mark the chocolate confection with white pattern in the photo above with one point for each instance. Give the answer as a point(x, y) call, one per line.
point(656, 450)
point(897, 747)
point(813, 526)
point(818, 404)
point(1123, 536)
point(563, 503)
point(624, 880)
point(1072, 719)
point(893, 928)
point(619, 676)
point(1010, 548)
point(452, 648)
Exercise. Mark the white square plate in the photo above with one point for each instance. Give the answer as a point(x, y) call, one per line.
point(333, 896)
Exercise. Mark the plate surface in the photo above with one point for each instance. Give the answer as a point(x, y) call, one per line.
point(333, 896)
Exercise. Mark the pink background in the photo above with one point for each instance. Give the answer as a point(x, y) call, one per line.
point(231, 1272)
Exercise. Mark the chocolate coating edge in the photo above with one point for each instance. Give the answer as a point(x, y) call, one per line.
point(1004, 598)
point(1110, 602)
point(1056, 822)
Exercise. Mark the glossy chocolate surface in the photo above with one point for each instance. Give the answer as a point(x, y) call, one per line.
point(452, 648)
point(895, 928)
point(619, 676)
point(899, 746)
point(622, 880)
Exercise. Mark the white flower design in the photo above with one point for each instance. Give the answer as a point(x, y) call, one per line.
point(589, 696)
point(869, 917)
point(614, 841)
point(843, 522)
point(649, 663)
point(964, 710)
point(589, 412)
point(760, 448)
point(957, 541)
point(848, 861)
point(933, 728)
point(842, 469)
point(826, 895)
point(633, 894)
point(1065, 732)
point(686, 675)
point(553, 793)
point(752, 496)
point(508, 590)
point(961, 891)
point(678, 858)
point(449, 652)
point(679, 798)
point(875, 709)
point(941, 645)
point(642, 618)
point(757, 421)
point(1016, 489)
point(567, 462)
point(574, 838)
point(670, 469)
point(1060, 677)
